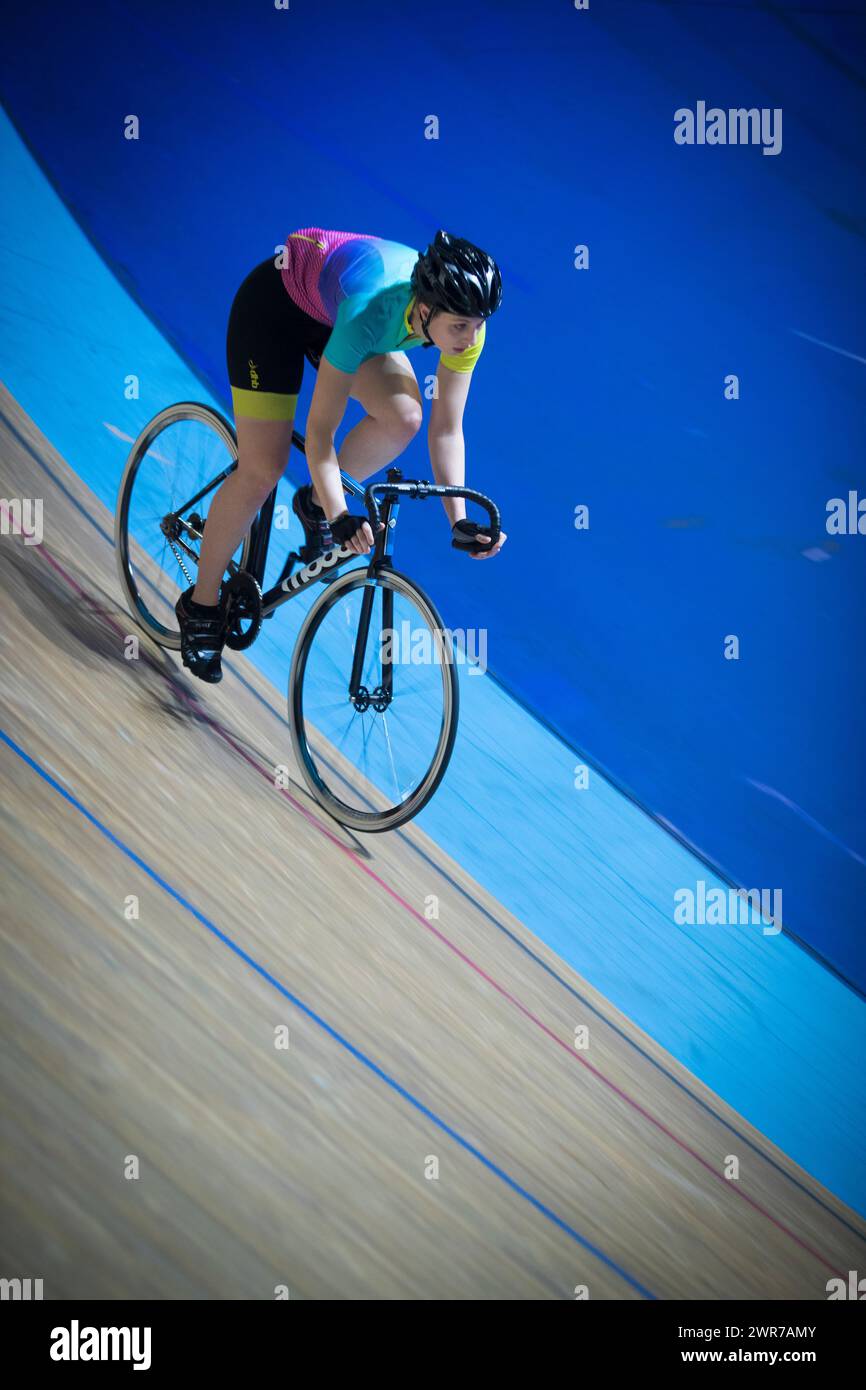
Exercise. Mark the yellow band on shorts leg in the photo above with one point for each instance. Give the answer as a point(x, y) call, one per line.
point(263, 405)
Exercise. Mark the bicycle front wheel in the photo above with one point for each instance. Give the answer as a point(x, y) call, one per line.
point(373, 700)
point(174, 468)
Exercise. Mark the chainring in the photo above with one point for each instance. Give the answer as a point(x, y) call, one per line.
point(241, 600)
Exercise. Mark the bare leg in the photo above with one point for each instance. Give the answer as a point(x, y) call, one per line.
point(386, 388)
point(263, 452)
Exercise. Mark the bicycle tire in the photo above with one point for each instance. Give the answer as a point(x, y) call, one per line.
point(173, 414)
point(372, 822)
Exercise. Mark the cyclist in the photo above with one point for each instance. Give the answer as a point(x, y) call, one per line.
point(351, 304)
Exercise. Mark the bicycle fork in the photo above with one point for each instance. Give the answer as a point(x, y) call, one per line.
point(381, 696)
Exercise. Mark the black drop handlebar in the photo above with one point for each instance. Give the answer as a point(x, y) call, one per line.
point(416, 487)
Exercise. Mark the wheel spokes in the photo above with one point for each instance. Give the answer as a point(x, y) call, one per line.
point(375, 748)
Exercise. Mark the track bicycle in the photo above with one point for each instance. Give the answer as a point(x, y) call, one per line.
point(373, 693)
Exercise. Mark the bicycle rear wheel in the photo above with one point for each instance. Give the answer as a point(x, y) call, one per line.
point(171, 475)
point(373, 721)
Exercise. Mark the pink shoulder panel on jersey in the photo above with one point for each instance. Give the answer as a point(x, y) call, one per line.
point(307, 248)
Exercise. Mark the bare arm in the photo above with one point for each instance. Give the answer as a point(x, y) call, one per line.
point(327, 409)
point(445, 436)
point(447, 447)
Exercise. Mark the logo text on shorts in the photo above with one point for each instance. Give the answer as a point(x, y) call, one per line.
point(76, 1343)
point(22, 516)
point(737, 126)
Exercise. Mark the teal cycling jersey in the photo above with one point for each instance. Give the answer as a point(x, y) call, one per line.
point(362, 286)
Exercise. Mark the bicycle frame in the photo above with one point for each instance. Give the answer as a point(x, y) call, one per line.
point(333, 560)
point(383, 546)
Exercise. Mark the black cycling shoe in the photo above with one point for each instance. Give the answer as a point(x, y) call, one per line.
point(202, 637)
point(317, 530)
point(317, 534)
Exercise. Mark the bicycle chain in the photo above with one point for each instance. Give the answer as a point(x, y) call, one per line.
point(187, 575)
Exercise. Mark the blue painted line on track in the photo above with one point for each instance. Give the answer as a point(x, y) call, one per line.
point(505, 931)
point(326, 1027)
point(762, 1024)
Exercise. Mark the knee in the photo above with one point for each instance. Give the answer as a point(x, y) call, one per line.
point(404, 417)
point(258, 478)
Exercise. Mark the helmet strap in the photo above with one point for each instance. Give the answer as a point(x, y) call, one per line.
point(428, 341)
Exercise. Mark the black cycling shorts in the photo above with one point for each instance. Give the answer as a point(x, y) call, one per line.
point(268, 338)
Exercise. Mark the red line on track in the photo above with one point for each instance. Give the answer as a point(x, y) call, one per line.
point(539, 1023)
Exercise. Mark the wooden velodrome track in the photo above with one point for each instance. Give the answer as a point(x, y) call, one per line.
point(306, 1167)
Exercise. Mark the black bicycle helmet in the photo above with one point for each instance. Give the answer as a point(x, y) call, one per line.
point(455, 276)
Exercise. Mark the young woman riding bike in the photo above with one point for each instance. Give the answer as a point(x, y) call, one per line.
point(351, 304)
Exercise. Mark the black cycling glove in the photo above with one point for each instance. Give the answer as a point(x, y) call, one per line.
point(344, 527)
point(463, 534)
